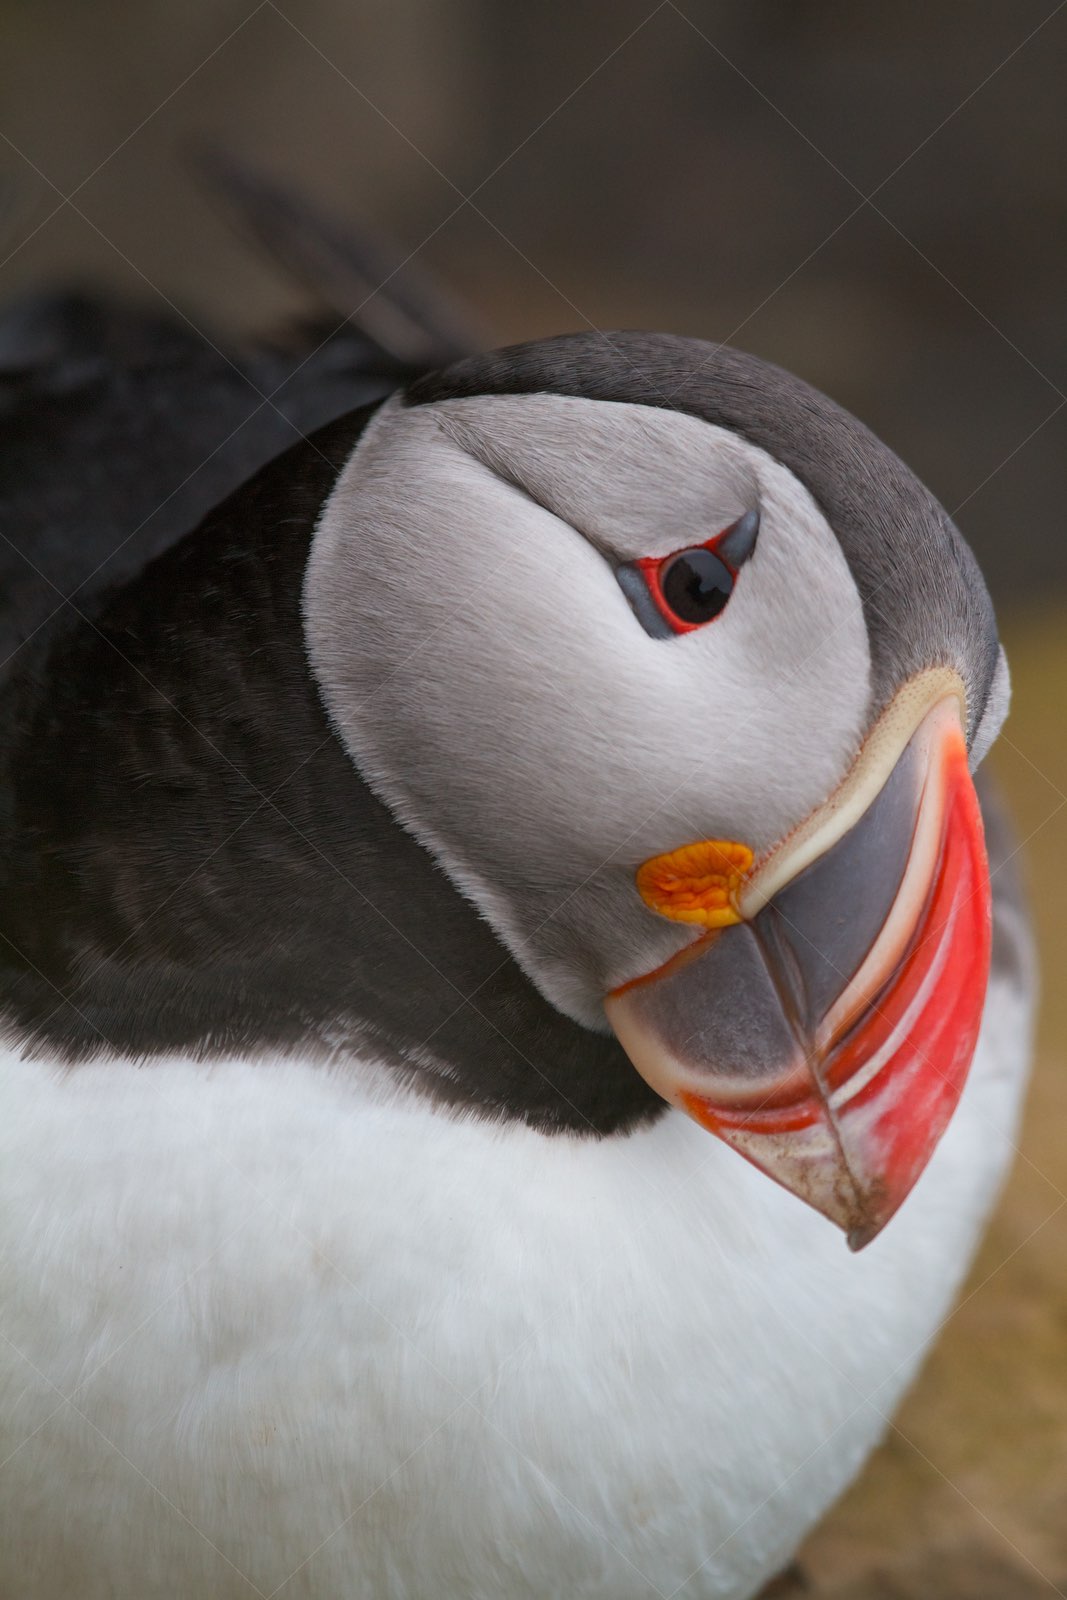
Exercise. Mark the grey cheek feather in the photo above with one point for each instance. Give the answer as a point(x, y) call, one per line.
point(996, 709)
point(541, 764)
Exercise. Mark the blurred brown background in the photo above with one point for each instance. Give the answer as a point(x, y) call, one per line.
point(873, 195)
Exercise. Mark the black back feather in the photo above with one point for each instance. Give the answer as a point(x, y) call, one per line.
point(188, 860)
point(192, 863)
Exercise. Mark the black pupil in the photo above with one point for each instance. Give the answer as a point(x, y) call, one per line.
point(696, 585)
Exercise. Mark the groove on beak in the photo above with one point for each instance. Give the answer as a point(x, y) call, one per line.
point(827, 1036)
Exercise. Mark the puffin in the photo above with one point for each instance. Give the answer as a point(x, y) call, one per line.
point(516, 998)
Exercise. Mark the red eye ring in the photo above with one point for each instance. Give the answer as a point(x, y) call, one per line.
point(716, 580)
point(689, 587)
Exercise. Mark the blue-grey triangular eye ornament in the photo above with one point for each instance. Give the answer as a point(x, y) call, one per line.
point(736, 545)
point(688, 588)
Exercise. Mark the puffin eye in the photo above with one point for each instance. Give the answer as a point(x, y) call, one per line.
point(695, 585)
point(690, 587)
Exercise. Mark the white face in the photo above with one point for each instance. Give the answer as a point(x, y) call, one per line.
point(485, 670)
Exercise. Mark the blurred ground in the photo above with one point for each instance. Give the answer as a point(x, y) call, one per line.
point(967, 1496)
point(701, 166)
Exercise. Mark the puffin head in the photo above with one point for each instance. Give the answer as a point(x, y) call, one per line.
point(679, 674)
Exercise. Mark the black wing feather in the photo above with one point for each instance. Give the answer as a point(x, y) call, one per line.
point(121, 429)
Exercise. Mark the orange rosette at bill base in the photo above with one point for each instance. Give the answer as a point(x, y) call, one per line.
point(697, 883)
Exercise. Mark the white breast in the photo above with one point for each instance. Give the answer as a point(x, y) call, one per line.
point(269, 1330)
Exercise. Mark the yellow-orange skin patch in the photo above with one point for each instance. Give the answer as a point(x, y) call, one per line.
point(696, 883)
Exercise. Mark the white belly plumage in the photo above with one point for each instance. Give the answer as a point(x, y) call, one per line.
point(267, 1329)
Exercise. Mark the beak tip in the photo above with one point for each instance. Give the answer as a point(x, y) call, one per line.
point(866, 1229)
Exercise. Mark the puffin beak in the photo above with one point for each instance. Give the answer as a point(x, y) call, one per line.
point(824, 1024)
